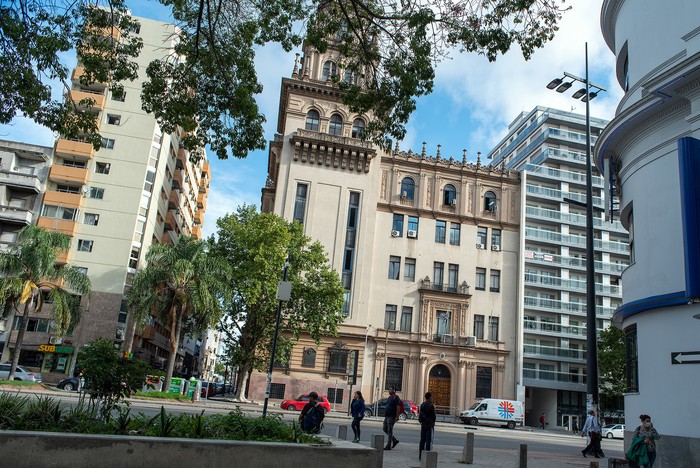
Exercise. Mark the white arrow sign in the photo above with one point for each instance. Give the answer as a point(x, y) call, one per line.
point(685, 357)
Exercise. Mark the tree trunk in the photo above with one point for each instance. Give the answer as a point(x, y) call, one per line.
point(18, 341)
point(242, 378)
point(129, 333)
point(173, 353)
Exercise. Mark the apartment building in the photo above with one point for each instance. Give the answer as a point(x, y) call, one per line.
point(23, 172)
point(426, 245)
point(548, 147)
point(138, 189)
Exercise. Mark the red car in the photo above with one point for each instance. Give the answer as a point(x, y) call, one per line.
point(299, 403)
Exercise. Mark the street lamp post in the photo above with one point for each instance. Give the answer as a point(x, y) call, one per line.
point(586, 94)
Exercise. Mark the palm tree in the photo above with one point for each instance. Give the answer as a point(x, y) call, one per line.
point(181, 284)
point(28, 271)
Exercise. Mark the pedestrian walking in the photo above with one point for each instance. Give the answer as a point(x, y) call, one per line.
point(642, 450)
point(311, 416)
point(357, 409)
point(543, 421)
point(574, 427)
point(592, 428)
point(391, 415)
point(426, 418)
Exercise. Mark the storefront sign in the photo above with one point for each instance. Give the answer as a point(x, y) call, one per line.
point(55, 349)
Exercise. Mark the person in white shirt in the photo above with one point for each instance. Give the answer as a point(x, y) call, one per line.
point(592, 429)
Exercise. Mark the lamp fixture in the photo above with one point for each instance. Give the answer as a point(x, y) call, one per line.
point(564, 86)
point(554, 83)
point(589, 97)
point(578, 94)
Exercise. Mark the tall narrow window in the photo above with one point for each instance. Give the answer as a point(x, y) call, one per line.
point(438, 273)
point(350, 242)
point(484, 379)
point(394, 373)
point(480, 279)
point(455, 233)
point(481, 233)
point(479, 327)
point(358, 128)
point(406, 318)
point(397, 226)
point(495, 239)
point(490, 202)
point(330, 69)
point(493, 328)
point(409, 269)
point(631, 363)
point(300, 203)
point(442, 323)
point(495, 281)
point(390, 317)
point(452, 277)
point(412, 227)
point(335, 126)
point(440, 228)
point(350, 77)
point(407, 188)
point(449, 195)
point(312, 120)
point(394, 267)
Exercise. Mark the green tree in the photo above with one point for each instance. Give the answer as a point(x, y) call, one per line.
point(611, 362)
point(392, 47)
point(256, 245)
point(28, 272)
point(109, 377)
point(182, 284)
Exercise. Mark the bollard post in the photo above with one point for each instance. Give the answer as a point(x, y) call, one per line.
point(342, 432)
point(429, 460)
point(468, 449)
point(378, 444)
point(522, 463)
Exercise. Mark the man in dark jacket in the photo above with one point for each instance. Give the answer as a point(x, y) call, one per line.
point(311, 416)
point(426, 417)
point(391, 415)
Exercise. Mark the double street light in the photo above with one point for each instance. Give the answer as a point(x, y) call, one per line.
point(585, 94)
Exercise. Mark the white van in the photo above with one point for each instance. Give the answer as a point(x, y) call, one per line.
point(495, 412)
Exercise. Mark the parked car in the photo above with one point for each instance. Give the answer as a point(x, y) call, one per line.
point(414, 408)
point(208, 389)
point(69, 383)
point(299, 403)
point(381, 407)
point(20, 373)
point(616, 431)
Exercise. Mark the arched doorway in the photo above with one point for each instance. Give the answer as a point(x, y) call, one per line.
point(439, 385)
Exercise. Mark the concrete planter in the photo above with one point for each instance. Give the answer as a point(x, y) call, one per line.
point(20, 449)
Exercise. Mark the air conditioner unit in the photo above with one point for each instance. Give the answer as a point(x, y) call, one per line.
point(395, 233)
point(119, 335)
point(404, 194)
point(412, 234)
point(470, 341)
point(496, 247)
point(447, 339)
point(55, 340)
point(453, 202)
point(480, 246)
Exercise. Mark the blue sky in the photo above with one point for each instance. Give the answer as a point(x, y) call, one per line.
point(471, 107)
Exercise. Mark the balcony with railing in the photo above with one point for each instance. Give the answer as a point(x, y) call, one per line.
point(574, 240)
point(558, 283)
point(81, 96)
point(553, 194)
point(12, 214)
point(561, 175)
point(20, 180)
point(78, 73)
point(554, 353)
point(555, 216)
point(579, 263)
point(554, 379)
point(538, 327)
point(68, 174)
point(74, 149)
point(65, 226)
point(555, 305)
point(427, 285)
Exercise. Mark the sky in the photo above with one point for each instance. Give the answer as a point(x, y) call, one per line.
point(473, 102)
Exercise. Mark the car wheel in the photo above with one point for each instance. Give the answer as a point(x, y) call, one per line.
point(609, 435)
point(402, 417)
point(69, 386)
point(511, 424)
point(368, 413)
point(292, 408)
point(18, 379)
point(473, 421)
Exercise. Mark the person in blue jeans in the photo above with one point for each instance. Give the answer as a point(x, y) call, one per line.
point(357, 409)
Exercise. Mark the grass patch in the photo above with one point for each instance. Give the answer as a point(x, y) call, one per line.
point(162, 396)
point(18, 383)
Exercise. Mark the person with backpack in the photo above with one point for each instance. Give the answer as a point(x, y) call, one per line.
point(312, 415)
point(357, 409)
point(394, 407)
point(426, 418)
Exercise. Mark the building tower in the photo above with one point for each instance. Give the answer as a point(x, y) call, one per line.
point(426, 246)
point(138, 189)
point(547, 146)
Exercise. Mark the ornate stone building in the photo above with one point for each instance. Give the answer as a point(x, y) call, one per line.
point(427, 248)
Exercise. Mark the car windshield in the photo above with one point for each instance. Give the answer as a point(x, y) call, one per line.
point(474, 406)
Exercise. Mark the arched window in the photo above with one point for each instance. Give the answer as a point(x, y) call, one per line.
point(490, 202)
point(335, 127)
point(407, 188)
point(312, 120)
point(358, 128)
point(449, 195)
point(350, 77)
point(330, 69)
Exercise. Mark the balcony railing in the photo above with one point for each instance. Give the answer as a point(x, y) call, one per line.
point(574, 284)
point(16, 215)
point(553, 352)
point(574, 240)
point(537, 374)
point(426, 284)
point(559, 195)
point(572, 218)
point(20, 180)
point(573, 262)
point(562, 175)
point(539, 303)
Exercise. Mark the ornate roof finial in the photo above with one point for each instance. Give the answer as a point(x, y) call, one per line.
point(422, 154)
point(304, 66)
point(503, 167)
point(295, 72)
point(464, 157)
point(478, 159)
point(438, 152)
point(396, 148)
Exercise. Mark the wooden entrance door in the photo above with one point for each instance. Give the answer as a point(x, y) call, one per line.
point(439, 383)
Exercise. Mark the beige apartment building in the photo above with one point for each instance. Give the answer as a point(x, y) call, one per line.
point(426, 245)
point(140, 188)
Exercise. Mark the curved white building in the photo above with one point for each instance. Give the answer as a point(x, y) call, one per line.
point(651, 153)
